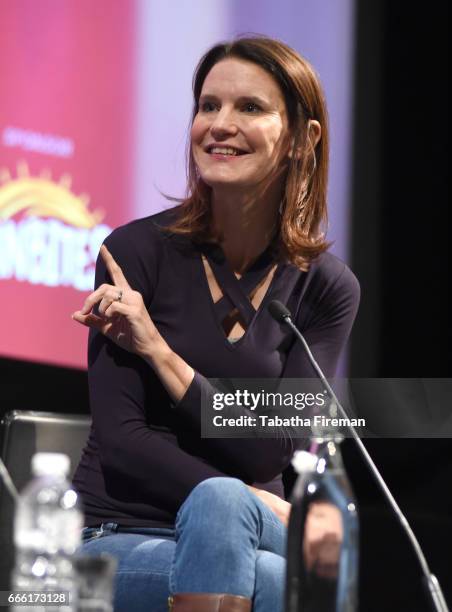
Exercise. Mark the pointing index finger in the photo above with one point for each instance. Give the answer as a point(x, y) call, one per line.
point(113, 268)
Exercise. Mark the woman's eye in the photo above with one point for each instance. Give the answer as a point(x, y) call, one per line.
point(251, 107)
point(207, 106)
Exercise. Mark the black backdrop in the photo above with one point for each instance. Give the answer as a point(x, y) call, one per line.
point(401, 257)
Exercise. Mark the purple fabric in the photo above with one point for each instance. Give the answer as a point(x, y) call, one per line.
point(145, 454)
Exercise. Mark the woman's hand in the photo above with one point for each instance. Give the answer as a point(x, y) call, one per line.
point(279, 506)
point(122, 315)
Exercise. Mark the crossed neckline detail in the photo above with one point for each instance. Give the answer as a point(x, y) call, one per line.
point(236, 296)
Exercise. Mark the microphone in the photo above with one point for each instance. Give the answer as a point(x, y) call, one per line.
point(281, 314)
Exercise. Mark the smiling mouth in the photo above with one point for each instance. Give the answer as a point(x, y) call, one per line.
point(225, 151)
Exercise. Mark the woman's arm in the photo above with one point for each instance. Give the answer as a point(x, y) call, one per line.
point(138, 461)
point(127, 323)
point(123, 317)
point(143, 463)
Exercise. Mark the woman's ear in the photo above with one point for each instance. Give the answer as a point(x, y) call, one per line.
point(314, 131)
point(314, 136)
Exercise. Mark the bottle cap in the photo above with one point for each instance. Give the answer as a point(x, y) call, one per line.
point(43, 464)
point(303, 461)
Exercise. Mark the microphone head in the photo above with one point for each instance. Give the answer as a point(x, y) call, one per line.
point(278, 311)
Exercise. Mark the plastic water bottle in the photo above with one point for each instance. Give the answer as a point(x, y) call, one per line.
point(322, 553)
point(47, 532)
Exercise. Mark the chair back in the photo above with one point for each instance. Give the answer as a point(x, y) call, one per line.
point(25, 433)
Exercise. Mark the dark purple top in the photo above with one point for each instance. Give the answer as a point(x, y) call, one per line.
point(144, 454)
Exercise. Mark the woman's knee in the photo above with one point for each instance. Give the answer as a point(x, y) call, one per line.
point(215, 502)
point(218, 492)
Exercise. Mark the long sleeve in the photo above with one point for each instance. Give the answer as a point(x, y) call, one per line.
point(326, 327)
point(155, 467)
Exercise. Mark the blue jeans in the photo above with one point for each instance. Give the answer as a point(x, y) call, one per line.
point(226, 540)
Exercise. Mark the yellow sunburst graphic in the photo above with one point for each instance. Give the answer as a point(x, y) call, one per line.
point(40, 196)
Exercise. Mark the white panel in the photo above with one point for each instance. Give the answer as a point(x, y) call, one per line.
point(171, 39)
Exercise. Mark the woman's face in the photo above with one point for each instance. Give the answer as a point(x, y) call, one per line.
point(238, 132)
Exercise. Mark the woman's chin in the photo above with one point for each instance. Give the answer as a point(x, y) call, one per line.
point(224, 183)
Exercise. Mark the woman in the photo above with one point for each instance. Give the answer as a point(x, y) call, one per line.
point(181, 296)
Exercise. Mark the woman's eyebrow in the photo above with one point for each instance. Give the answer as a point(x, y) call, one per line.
point(251, 98)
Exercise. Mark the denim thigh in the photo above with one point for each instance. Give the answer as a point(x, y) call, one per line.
point(144, 558)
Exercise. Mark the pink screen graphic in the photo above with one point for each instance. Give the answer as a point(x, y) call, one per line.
point(67, 83)
point(94, 107)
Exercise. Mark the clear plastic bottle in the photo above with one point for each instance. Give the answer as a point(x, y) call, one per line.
point(322, 553)
point(47, 531)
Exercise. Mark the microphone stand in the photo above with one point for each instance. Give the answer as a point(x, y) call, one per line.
point(280, 313)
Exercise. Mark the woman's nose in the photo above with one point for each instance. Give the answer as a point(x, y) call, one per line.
point(224, 123)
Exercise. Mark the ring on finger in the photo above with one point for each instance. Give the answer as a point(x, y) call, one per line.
point(119, 297)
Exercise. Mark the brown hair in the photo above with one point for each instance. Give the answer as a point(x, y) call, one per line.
point(304, 207)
